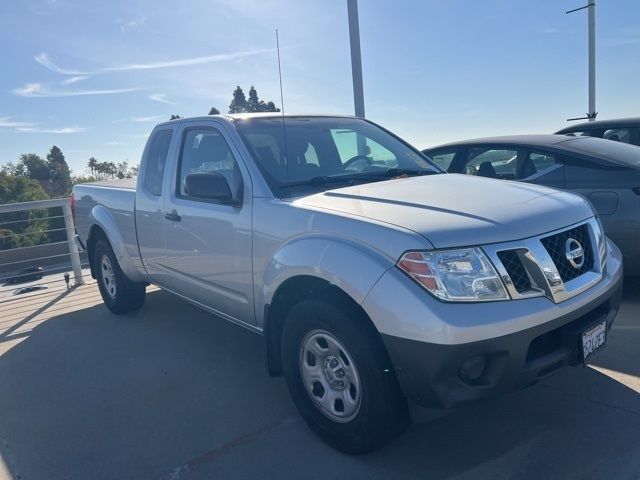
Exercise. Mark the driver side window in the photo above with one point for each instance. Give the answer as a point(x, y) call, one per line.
point(358, 152)
point(492, 162)
point(206, 150)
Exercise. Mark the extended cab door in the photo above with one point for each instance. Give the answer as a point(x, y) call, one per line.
point(209, 242)
point(149, 209)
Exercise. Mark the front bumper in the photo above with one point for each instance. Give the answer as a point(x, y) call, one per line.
point(520, 341)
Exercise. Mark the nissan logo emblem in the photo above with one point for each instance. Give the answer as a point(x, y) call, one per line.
point(574, 253)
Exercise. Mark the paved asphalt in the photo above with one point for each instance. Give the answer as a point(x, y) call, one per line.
point(172, 392)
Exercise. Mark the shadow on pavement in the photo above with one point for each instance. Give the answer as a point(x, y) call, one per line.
point(173, 392)
point(623, 350)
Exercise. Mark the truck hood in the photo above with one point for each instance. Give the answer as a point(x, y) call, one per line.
point(452, 210)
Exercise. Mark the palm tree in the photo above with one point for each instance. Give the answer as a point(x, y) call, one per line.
point(92, 164)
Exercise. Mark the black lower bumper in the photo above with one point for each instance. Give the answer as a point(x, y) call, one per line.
point(430, 374)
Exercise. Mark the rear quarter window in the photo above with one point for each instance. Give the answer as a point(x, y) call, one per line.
point(156, 161)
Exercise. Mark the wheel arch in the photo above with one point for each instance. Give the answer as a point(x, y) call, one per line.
point(95, 233)
point(104, 226)
point(289, 293)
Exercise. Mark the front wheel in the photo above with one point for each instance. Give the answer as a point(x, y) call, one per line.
point(119, 294)
point(340, 377)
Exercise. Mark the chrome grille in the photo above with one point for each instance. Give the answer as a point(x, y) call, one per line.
point(514, 267)
point(538, 266)
point(555, 245)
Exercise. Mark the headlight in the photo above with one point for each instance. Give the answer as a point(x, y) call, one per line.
point(455, 275)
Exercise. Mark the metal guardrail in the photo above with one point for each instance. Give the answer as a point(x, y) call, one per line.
point(73, 252)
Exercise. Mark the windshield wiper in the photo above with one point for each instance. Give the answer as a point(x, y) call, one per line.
point(357, 177)
point(326, 180)
point(398, 172)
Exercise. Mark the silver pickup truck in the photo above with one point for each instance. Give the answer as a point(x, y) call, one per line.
point(375, 278)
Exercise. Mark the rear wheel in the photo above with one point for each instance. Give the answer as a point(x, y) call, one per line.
point(340, 377)
point(119, 294)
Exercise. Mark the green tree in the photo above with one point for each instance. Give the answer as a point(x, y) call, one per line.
point(239, 102)
point(32, 166)
point(214, 111)
point(8, 239)
point(112, 170)
point(59, 184)
point(124, 170)
point(270, 107)
point(92, 163)
point(19, 189)
point(253, 105)
point(25, 228)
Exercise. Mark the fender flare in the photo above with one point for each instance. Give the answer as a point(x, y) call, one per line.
point(350, 266)
point(101, 217)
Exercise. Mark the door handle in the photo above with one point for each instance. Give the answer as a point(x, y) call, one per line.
point(173, 216)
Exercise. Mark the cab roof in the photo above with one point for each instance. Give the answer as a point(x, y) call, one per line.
point(231, 117)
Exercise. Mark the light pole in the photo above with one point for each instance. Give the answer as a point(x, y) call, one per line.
point(592, 60)
point(591, 26)
point(356, 59)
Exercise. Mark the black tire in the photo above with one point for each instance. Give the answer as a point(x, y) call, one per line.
point(383, 411)
point(127, 296)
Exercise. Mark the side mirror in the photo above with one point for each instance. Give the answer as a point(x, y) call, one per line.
point(209, 186)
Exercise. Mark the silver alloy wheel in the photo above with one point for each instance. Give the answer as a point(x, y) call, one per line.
point(108, 276)
point(330, 376)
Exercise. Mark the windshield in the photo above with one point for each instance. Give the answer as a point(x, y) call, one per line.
point(325, 151)
point(617, 152)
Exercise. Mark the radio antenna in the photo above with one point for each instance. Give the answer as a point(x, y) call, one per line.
point(284, 128)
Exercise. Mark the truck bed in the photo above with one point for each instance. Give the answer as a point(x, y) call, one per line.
point(124, 183)
point(105, 202)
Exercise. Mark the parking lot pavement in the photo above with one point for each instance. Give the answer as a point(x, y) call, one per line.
point(172, 392)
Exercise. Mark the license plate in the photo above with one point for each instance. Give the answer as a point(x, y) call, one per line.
point(593, 338)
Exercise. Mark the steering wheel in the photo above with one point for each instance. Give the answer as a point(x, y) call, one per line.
point(358, 158)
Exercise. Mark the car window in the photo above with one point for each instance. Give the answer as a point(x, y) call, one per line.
point(357, 151)
point(294, 150)
point(156, 161)
point(617, 134)
point(206, 150)
point(443, 158)
point(492, 162)
point(536, 162)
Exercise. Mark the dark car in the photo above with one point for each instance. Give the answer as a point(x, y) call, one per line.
point(607, 173)
point(26, 275)
point(625, 130)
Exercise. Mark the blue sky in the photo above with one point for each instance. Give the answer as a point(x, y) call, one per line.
point(93, 77)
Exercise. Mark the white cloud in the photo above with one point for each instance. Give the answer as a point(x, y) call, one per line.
point(160, 97)
point(549, 30)
point(28, 127)
point(620, 42)
point(8, 122)
point(62, 130)
point(150, 118)
point(70, 80)
point(43, 59)
point(132, 24)
point(113, 143)
point(37, 90)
